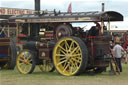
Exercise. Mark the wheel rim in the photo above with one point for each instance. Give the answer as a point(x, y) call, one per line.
point(24, 62)
point(46, 66)
point(67, 56)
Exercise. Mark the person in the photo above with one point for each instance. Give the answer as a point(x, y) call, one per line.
point(126, 55)
point(117, 50)
point(111, 44)
point(95, 30)
point(126, 58)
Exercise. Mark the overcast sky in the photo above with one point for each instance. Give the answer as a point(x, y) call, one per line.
point(77, 5)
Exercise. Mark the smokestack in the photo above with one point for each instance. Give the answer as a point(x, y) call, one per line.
point(37, 6)
point(102, 7)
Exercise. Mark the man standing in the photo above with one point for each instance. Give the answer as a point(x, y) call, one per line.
point(117, 50)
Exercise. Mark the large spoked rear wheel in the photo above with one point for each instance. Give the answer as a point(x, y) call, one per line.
point(25, 62)
point(47, 66)
point(70, 56)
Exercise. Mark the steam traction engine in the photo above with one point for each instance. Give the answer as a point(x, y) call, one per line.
point(50, 40)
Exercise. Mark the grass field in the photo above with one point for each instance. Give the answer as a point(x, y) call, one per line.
point(13, 77)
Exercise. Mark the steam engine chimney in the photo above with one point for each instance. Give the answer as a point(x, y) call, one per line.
point(37, 6)
point(102, 7)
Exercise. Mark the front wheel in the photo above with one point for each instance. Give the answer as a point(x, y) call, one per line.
point(25, 62)
point(70, 56)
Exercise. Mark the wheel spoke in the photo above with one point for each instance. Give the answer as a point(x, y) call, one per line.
point(21, 64)
point(25, 68)
point(78, 51)
point(65, 64)
point(62, 51)
point(73, 64)
point(71, 69)
point(78, 58)
point(28, 57)
point(61, 62)
point(70, 66)
point(64, 58)
point(28, 67)
point(76, 61)
point(76, 65)
point(71, 45)
point(75, 50)
point(66, 45)
point(62, 48)
point(66, 67)
point(22, 56)
point(60, 55)
point(21, 60)
point(26, 53)
point(29, 61)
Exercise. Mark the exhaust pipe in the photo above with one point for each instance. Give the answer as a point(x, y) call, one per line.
point(102, 7)
point(37, 7)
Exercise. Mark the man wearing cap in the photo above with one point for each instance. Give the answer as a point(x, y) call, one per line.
point(117, 50)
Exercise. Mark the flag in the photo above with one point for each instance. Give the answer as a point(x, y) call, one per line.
point(69, 8)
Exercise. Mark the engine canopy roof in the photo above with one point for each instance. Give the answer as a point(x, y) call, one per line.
point(68, 17)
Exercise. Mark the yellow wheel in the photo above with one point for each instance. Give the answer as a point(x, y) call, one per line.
point(47, 66)
point(25, 62)
point(70, 56)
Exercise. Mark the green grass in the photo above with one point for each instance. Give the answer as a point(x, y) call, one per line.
point(13, 77)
